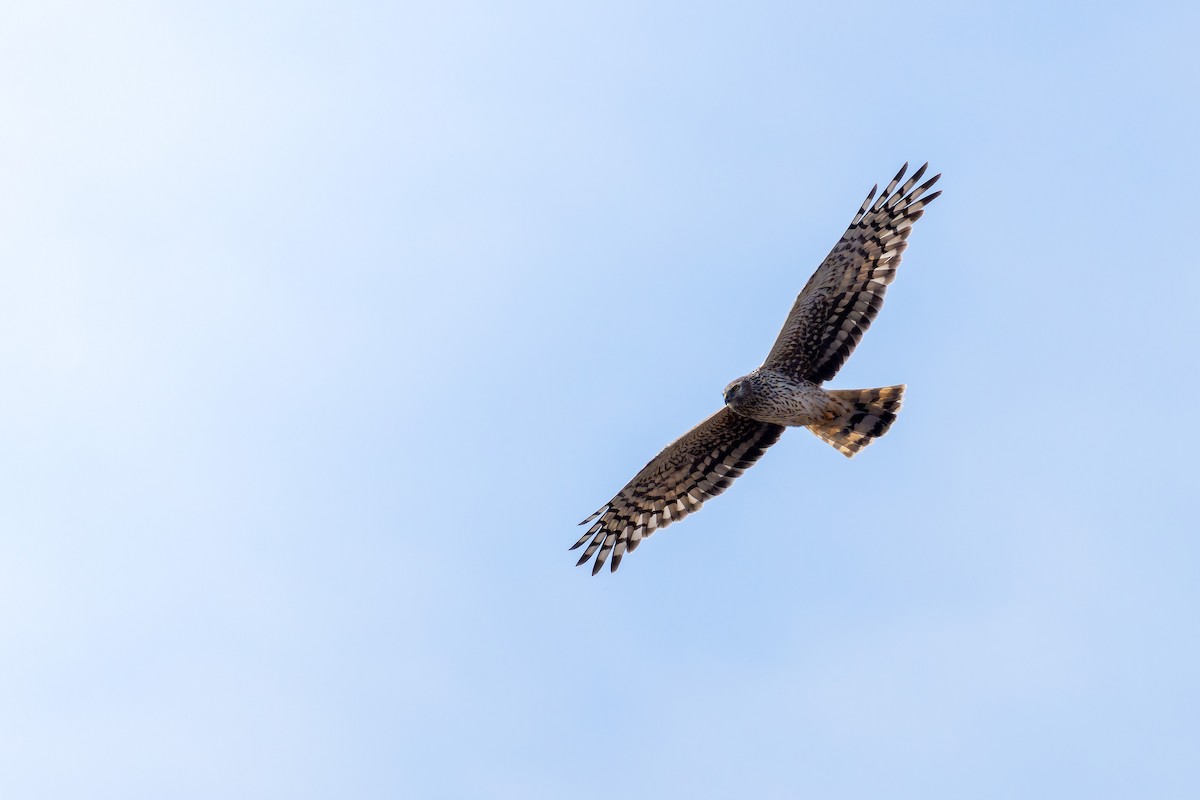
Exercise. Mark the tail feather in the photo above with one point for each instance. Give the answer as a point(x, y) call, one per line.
point(871, 412)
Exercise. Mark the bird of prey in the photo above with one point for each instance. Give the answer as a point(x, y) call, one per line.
point(830, 315)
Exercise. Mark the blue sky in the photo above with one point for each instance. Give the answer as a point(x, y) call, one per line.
point(323, 324)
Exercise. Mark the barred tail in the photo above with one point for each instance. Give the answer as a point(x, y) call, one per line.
point(871, 413)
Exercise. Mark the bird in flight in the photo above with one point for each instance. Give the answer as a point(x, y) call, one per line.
point(830, 315)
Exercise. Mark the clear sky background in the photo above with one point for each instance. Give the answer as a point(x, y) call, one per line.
point(322, 324)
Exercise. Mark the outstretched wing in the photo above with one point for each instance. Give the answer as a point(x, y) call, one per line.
point(841, 299)
point(696, 466)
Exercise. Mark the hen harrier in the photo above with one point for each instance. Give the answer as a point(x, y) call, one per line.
point(829, 317)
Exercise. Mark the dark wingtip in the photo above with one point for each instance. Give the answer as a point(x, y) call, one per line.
point(587, 535)
point(916, 176)
point(596, 567)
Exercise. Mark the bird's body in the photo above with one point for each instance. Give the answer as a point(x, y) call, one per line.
point(768, 395)
point(836, 306)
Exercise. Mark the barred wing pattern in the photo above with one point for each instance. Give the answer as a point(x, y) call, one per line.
point(696, 466)
point(841, 299)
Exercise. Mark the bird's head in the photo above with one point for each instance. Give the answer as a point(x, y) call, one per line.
point(735, 390)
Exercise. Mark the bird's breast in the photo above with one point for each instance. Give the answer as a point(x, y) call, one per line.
point(784, 400)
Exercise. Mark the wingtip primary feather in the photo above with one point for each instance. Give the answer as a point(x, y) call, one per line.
point(927, 200)
point(912, 179)
point(595, 514)
point(887, 199)
point(866, 205)
point(924, 187)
